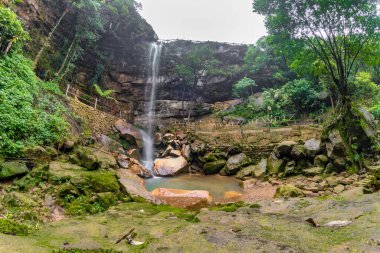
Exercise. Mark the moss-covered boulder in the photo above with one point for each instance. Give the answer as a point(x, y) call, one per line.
point(321, 161)
point(246, 172)
point(288, 191)
point(18, 199)
point(275, 165)
point(102, 181)
point(210, 157)
point(298, 152)
point(214, 167)
point(13, 169)
point(236, 162)
point(310, 172)
point(37, 155)
point(284, 148)
point(86, 158)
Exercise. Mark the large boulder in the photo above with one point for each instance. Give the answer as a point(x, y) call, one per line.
point(133, 166)
point(183, 198)
point(170, 166)
point(335, 147)
point(13, 169)
point(260, 169)
point(105, 159)
point(299, 152)
point(37, 155)
point(288, 191)
point(275, 165)
point(85, 157)
point(133, 185)
point(313, 147)
point(284, 148)
point(129, 133)
point(236, 162)
point(213, 167)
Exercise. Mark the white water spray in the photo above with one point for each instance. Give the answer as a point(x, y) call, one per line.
point(150, 109)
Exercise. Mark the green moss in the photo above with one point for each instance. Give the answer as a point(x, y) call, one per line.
point(288, 191)
point(75, 250)
point(230, 207)
point(11, 227)
point(103, 181)
point(255, 206)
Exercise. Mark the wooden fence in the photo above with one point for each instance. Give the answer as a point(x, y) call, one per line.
point(110, 106)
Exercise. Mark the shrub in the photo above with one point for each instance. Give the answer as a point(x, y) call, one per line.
point(12, 34)
point(30, 113)
point(10, 227)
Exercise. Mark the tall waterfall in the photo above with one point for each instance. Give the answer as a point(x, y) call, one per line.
point(150, 107)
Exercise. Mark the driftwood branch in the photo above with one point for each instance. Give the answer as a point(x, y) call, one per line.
point(125, 237)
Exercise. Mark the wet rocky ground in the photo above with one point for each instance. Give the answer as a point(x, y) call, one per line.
point(264, 226)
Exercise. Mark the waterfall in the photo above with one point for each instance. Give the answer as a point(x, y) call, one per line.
point(150, 107)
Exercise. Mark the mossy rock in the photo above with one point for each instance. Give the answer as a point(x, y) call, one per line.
point(288, 191)
point(106, 199)
point(246, 172)
point(374, 170)
point(18, 199)
point(275, 165)
point(210, 157)
point(313, 171)
point(38, 155)
point(12, 169)
point(103, 181)
point(87, 158)
point(236, 162)
point(213, 167)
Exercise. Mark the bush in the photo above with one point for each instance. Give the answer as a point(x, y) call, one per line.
point(10, 227)
point(30, 113)
point(12, 34)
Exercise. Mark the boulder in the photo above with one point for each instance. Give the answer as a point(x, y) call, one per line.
point(170, 166)
point(313, 147)
point(260, 169)
point(18, 199)
point(248, 184)
point(335, 147)
point(182, 198)
point(340, 163)
point(321, 161)
point(236, 162)
point(86, 158)
point(186, 151)
point(290, 169)
point(339, 188)
point(108, 144)
point(168, 139)
point(210, 157)
point(133, 153)
point(175, 153)
point(68, 145)
point(232, 196)
point(133, 185)
point(245, 172)
point(133, 166)
point(284, 149)
point(298, 152)
point(105, 159)
point(13, 169)
point(197, 147)
point(129, 133)
point(275, 165)
point(288, 191)
point(213, 167)
point(167, 151)
point(313, 171)
point(37, 155)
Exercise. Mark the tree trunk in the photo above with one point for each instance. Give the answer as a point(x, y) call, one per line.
point(67, 55)
point(48, 39)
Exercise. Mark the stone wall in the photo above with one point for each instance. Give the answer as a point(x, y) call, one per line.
point(99, 122)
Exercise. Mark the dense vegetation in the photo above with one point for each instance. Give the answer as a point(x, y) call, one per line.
point(30, 113)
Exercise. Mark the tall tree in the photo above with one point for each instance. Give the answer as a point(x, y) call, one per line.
point(194, 65)
point(337, 31)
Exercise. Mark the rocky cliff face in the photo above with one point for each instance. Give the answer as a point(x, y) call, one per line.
point(120, 61)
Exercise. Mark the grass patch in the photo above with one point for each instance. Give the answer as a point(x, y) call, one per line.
point(86, 251)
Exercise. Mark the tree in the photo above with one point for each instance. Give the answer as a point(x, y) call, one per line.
point(244, 88)
point(103, 93)
point(337, 31)
point(194, 65)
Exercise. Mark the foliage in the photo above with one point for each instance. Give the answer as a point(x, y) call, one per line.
point(337, 31)
point(364, 90)
point(267, 63)
point(230, 207)
point(30, 113)
point(244, 88)
point(11, 227)
point(103, 93)
point(12, 34)
point(83, 204)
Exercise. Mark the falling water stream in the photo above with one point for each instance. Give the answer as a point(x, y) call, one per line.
point(150, 109)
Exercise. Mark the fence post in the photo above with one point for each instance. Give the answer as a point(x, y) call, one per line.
point(96, 102)
point(67, 89)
